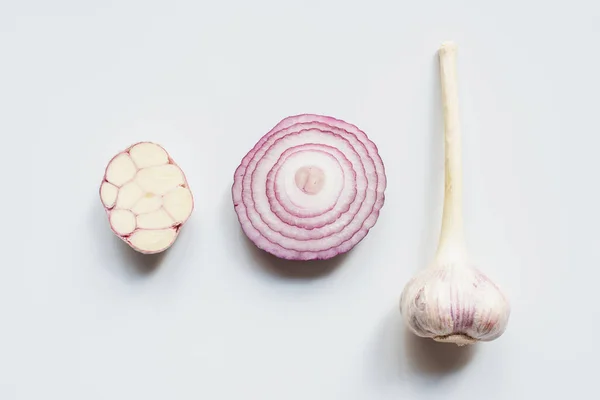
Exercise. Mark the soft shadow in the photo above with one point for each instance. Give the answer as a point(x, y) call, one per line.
point(139, 264)
point(116, 255)
point(429, 357)
point(385, 358)
point(290, 268)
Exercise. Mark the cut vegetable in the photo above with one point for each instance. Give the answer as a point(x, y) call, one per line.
point(311, 188)
point(146, 197)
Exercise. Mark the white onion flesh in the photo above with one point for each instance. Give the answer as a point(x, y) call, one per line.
point(311, 188)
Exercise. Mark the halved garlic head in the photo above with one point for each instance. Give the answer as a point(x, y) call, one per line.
point(146, 196)
point(454, 304)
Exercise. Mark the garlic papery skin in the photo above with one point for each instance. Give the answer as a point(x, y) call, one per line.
point(454, 303)
point(451, 301)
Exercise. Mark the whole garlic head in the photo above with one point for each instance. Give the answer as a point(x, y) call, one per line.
point(451, 301)
point(454, 303)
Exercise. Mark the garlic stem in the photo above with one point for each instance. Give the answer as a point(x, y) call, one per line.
point(451, 301)
point(451, 245)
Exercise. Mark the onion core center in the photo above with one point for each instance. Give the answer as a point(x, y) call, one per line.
point(310, 179)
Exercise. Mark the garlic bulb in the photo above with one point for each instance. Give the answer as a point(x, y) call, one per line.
point(452, 301)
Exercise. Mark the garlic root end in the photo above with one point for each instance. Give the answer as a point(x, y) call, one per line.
point(457, 339)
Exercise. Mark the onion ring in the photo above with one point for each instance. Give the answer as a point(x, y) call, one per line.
point(311, 188)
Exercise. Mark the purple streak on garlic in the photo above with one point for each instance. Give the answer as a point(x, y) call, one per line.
point(452, 301)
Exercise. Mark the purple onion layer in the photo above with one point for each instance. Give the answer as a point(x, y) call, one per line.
point(311, 188)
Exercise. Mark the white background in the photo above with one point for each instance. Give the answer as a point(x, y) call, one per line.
point(84, 317)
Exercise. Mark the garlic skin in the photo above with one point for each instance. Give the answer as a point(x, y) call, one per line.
point(451, 301)
point(454, 303)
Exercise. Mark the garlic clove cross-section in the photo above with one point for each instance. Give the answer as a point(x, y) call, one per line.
point(451, 301)
point(146, 197)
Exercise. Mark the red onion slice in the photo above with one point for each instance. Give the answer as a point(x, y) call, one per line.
point(311, 188)
point(284, 206)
